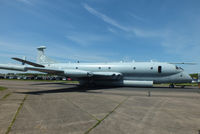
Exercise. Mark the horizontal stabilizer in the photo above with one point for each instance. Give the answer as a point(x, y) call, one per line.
point(28, 62)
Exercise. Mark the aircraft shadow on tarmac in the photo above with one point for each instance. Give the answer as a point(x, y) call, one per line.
point(101, 90)
point(67, 89)
point(54, 83)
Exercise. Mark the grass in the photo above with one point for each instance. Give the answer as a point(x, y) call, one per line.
point(5, 96)
point(2, 88)
point(187, 84)
point(182, 84)
point(18, 110)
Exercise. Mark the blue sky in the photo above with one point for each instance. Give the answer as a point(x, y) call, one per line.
point(102, 30)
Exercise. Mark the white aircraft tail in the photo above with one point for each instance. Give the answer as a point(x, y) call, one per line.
point(42, 58)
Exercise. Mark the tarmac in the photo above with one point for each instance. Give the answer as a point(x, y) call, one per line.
point(35, 107)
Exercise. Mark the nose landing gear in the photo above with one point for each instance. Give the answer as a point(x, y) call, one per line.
point(171, 85)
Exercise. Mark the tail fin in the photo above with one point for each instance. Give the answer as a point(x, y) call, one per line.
point(42, 58)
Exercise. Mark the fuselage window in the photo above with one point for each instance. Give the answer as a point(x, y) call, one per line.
point(159, 69)
point(151, 68)
point(99, 67)
point(76, 67)
point(109, 67)
point(134, 68)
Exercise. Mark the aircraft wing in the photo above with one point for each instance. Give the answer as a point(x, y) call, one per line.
point(28, 62)
point(45, 70)
point(74, 73)
point(68, 72)
point(26, 68)
point(12, 67)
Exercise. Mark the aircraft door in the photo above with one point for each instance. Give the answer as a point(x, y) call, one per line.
point(159, 69)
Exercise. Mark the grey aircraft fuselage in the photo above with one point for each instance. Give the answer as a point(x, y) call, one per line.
point(157, 72)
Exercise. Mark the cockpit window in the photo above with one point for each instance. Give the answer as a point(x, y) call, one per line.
point(179, 68)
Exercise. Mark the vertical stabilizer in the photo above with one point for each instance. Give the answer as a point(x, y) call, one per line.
point(42, 58)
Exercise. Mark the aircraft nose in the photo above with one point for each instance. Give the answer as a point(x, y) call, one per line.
point(187, 78)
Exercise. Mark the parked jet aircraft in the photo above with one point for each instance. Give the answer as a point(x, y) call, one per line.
point(115, 74)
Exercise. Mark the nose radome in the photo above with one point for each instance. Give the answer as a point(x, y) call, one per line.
point(187, 77)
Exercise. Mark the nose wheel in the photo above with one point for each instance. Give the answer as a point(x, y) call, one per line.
point(183, 86)
point(171, 85)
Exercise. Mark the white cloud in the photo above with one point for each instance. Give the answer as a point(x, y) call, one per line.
point(86, 39)
point(112, 30)
point(149, 33)
point(136, 31)
point(105, 18)
point(26, 2)
point(137, 17)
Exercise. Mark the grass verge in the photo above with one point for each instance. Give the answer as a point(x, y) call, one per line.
point(187, 84)
point(18, 110)
point(5, 96)
point(2, 88)
point(182, 84)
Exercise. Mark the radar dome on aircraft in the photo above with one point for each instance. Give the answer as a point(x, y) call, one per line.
point(41, 48)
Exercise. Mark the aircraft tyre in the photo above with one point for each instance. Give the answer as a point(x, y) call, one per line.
point(183, 86)
point(171, 86)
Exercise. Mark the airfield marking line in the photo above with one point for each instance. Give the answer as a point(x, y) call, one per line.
point(89, 130)
point(18, 110)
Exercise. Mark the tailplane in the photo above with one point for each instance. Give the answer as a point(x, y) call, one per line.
point(42, 58)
